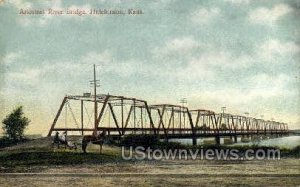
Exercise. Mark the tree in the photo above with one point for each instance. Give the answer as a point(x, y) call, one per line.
point(14, 124)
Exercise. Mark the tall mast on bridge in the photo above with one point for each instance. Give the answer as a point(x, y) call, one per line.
point(95, 98)
point(95, 85)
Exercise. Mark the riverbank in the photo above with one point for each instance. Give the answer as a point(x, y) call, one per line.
point(35, 163)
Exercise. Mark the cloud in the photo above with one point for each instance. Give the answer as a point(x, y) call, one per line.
point(264, 94)
point(32, 76)
point(264, 15)
point(205, 15)
point(273, 48)
point(12, 57)
point(160, 4)
point(181, 45)
point(20, 3)
point(206, 66)
point(188, 59)
point(225, 60)
point(29, 76)
point(93, 57)
point(266, 85)
point(184, 44)
point(21, 75)
point(238, 2)
point(107, 64)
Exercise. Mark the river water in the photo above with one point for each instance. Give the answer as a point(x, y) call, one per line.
point(282, 142)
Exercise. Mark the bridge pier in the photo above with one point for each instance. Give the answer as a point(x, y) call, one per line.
point(234, 139)
point(194, 140)
point(166, 140)
point(218, 140)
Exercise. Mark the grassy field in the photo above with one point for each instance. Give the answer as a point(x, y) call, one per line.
point(35, 163)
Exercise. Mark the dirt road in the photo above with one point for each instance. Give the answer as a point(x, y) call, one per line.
point(284, 172)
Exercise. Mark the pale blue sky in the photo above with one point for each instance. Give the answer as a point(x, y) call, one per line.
point(242, 54)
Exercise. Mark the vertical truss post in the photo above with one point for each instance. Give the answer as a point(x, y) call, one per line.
point(142, 125)
point(81, 118)
point(134, 115)
point(180, 118)
point(122, 115)
point(173, 122)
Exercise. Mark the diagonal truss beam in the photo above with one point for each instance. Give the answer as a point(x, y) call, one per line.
point(114, 117)
point(57, 115)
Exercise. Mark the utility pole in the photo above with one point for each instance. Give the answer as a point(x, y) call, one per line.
point(223, 110)
point(95, 98)
point(247, 120)
point(95, 85)
point(183, 101)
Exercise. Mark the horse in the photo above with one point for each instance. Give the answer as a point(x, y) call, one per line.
point(94, 139)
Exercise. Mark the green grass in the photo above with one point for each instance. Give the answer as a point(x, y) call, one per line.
point(5, 142)
point(33, 154)
point(54, 158)
point(34, 160)
point(295, 152)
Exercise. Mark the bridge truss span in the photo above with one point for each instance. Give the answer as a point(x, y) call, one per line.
point(120, 115)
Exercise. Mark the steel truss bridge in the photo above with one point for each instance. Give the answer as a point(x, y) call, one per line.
point(136, 116)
